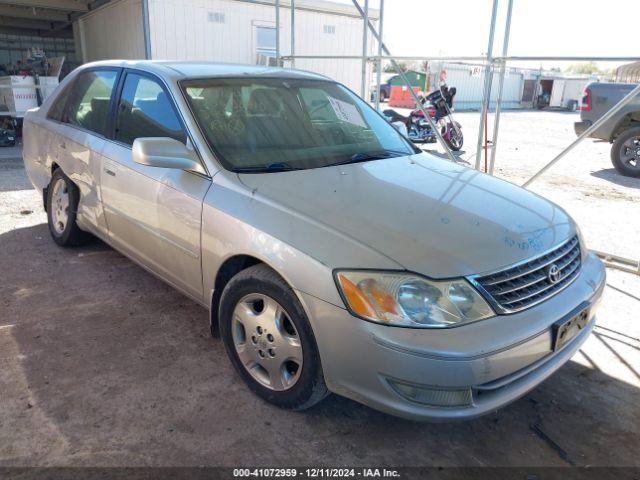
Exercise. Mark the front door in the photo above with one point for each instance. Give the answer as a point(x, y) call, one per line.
point(153, 214)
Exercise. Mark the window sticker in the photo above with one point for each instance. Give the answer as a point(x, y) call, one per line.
point(347, 112)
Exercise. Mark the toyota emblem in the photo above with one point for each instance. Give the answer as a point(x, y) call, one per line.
point(553, 274)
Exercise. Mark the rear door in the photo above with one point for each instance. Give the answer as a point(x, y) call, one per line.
point(153, 214)
point(79, 137)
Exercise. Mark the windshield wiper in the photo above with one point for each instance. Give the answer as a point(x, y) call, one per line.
point(366, 156)
point(272, 167)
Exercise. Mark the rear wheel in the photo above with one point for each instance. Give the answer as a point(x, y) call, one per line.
point(625, 153)
point(62, 203)
point(269, 339)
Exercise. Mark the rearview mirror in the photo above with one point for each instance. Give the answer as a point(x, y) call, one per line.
point(165, 152)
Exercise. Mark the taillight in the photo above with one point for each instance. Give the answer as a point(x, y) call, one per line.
point(585, 103)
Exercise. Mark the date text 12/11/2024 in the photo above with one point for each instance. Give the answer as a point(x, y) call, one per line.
point(315, 473)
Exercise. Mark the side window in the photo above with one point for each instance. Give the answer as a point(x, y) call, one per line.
point(145, 110)
point(88, 104)
point(56, 111)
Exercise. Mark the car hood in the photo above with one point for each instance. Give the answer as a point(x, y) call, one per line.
point(429, 215)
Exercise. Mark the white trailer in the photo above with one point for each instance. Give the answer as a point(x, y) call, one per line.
point(572, 92)
point(233, 31)
point(561, 92)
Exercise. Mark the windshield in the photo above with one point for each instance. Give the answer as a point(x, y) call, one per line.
point(257, 125)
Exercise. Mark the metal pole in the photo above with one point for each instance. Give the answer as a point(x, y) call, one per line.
point(618, 106)
point(145, 29)
point(414, 95)
point(379, 69)
point(503, 71)
point(577, 59)
point(365, 36)
point(621, 263)
point(479, 60)
point(488, 77)
point(293, 33)
point(278, 33)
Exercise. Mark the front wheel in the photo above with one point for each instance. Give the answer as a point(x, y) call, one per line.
point(269, 339)
point(453, 136)
point(625, 153)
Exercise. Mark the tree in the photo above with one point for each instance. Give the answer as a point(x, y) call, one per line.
point(586, 67)
point(390, 69)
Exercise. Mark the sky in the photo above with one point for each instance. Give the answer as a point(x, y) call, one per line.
point(538, 27)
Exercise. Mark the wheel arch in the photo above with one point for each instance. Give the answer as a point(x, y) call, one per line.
point(228, 269)
point(45, 189)
point(628, 120)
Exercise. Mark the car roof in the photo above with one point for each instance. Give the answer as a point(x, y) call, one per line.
point(179, 70)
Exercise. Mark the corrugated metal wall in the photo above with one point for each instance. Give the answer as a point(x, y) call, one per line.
point(113, 31)
point(191, 30)
point(469, 81)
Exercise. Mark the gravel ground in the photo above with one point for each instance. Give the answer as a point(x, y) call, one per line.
point(104, 365)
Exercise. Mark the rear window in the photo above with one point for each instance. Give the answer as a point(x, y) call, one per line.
point(56, 111)
point(89, 102)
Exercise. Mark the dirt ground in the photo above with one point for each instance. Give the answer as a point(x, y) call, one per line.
point(101, 364)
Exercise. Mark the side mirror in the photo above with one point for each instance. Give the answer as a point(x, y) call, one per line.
point(165, 152)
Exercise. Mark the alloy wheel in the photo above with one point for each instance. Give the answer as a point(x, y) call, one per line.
point(630, 154)
point(60, 206)
point(267, 342)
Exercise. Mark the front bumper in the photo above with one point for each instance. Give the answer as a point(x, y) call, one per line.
point(499, 359)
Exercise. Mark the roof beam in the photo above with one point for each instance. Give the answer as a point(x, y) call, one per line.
point(66, 5)
point(24, 23)
point(66, 33)
point(34, 13)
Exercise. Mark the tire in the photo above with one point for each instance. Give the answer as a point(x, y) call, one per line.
point(246, 328)
point(625, 153)
point(454, 142)
point(572, 106)
point(62, 203)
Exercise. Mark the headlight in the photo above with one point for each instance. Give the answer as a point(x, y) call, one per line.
point(408, 300)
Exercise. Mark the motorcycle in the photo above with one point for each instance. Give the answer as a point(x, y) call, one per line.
point(438, 105)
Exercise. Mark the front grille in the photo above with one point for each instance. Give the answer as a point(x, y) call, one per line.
point(530, 283)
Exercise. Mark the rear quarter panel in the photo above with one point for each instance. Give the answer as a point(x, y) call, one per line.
point(38, 150)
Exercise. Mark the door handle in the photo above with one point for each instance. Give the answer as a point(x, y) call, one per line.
point(109, 172)
point(63, 145)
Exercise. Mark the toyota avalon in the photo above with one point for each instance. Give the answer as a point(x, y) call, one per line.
point(332, 254)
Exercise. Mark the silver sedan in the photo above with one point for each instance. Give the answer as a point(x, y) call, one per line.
point(332, 254)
